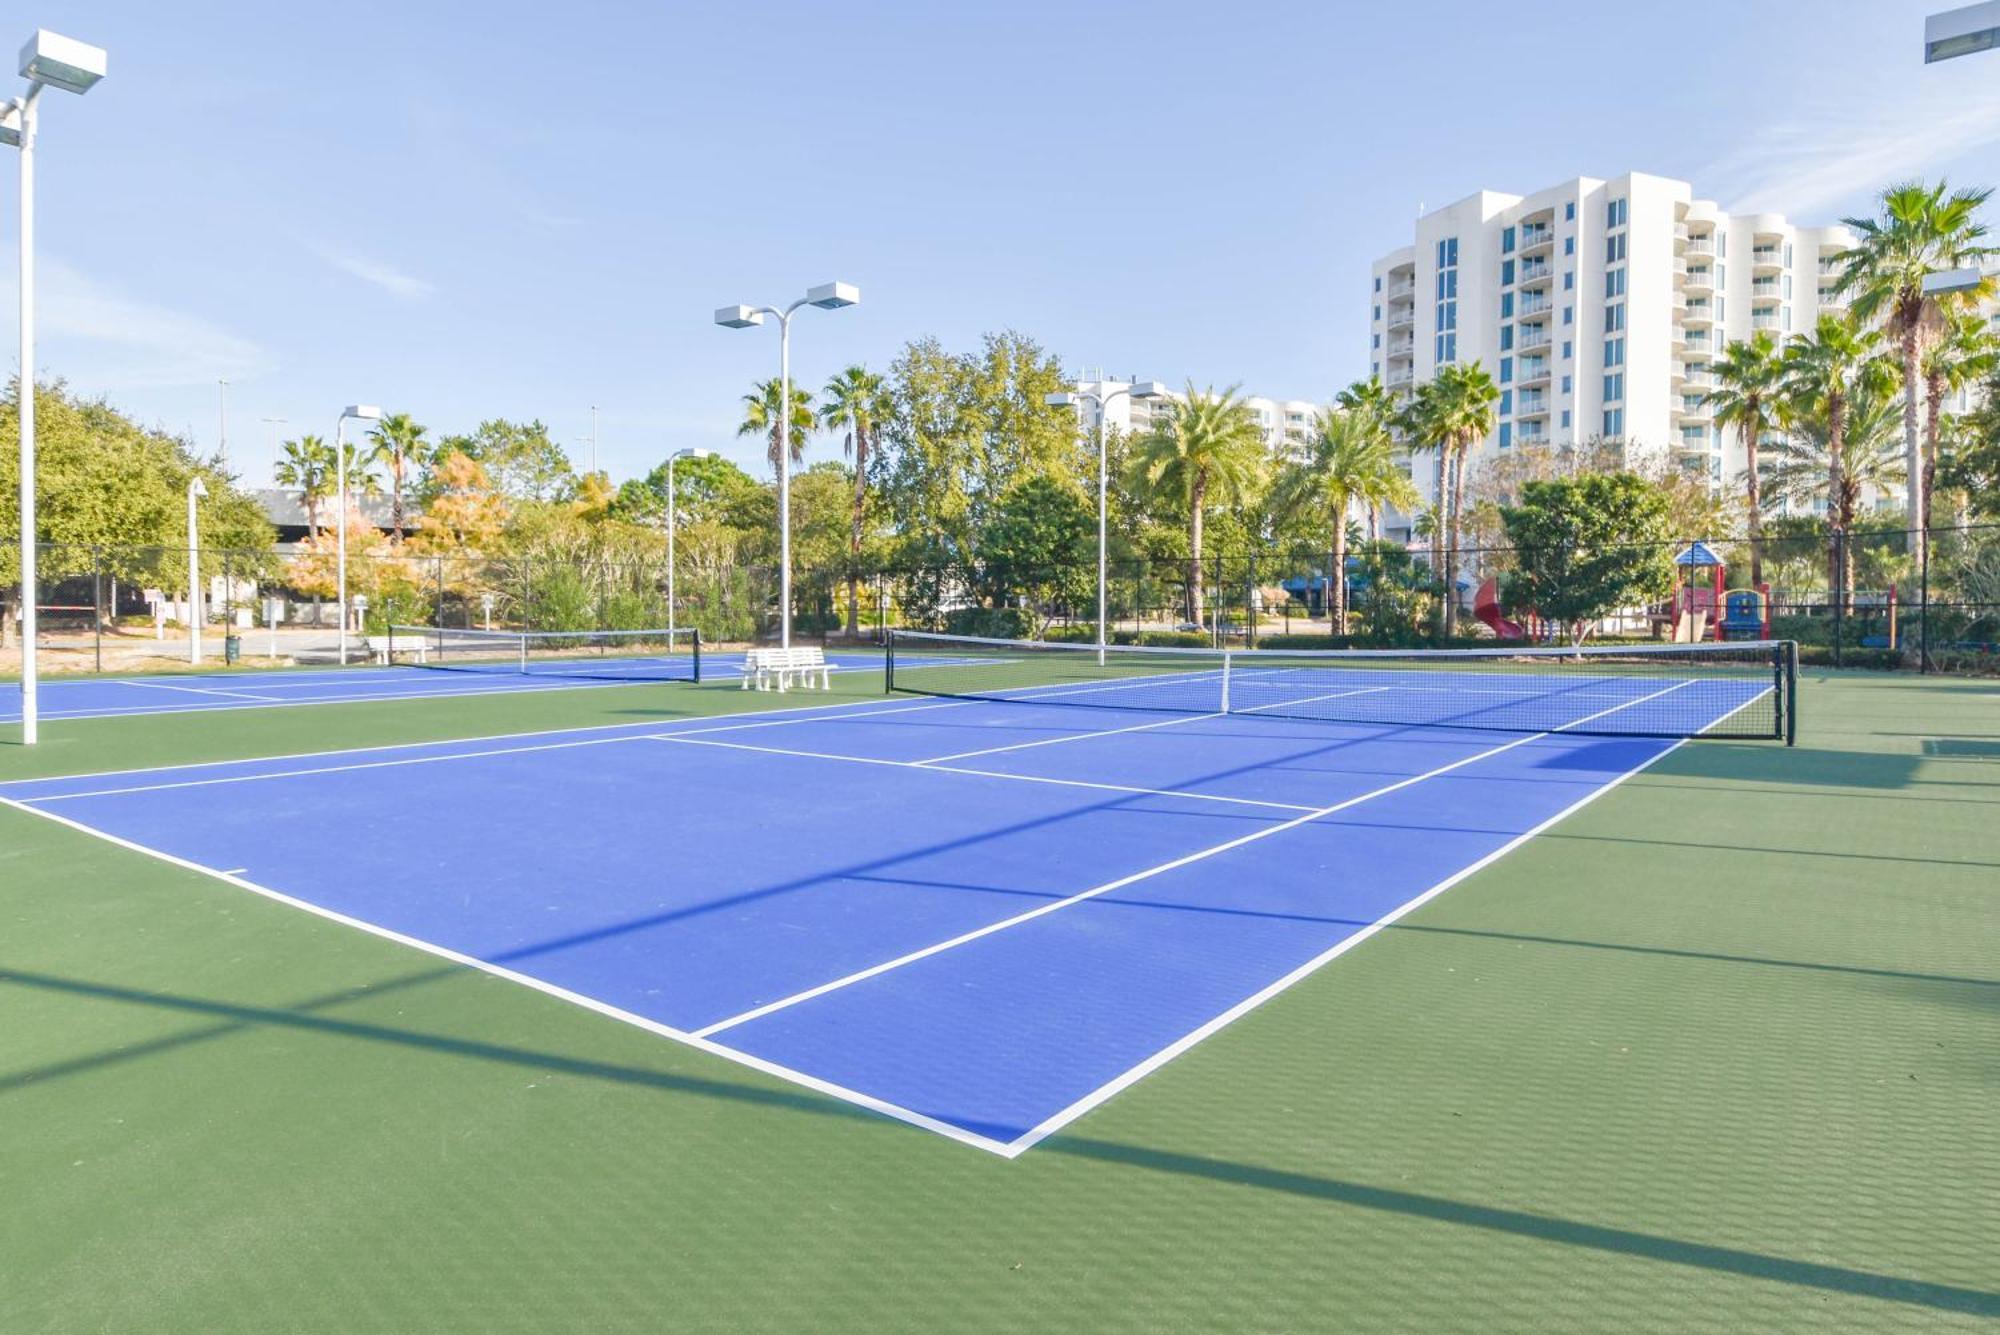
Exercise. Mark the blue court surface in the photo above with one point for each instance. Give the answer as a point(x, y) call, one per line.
point(983, 917)
point(181, 693)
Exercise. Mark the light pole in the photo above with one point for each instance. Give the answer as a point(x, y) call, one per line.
point(222, 423)
point(593, 438)
point(196, 490)
point(828, 297)
point(360, 412)
point(274, 423)
point(1144, 389)
point(49, 60)
point(672, 459)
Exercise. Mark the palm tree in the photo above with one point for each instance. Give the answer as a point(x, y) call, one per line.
point(306, 465)
point(362, 480)
point(1965, 353)
point(1347, 459)
point(857, 403)
point(1820, 373)
point(1205, 448)
point(1922, 229)
point(1452, 412)
point(399, 445)
point(1745, 397)
point(761, 413)
point(1812, 467)
point(1376, 406)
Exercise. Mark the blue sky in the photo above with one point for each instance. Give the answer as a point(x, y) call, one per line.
point(466, 210)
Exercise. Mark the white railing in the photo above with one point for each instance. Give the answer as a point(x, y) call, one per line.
point(1401, 291)
point(1700, 245)
point(1536, 236)
point(1764, 254)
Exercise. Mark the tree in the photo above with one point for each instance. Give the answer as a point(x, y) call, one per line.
point(466, 513)
point(1040, 545)
point(1204, 448)
point(1347, 460)
point(400, 447)
point(1922, 229)
point(1745, 396)
point(1831, 459)
point(1964, 353)
point(1588, 546)
point(1969, 454)
point(306, 466)
point(857, 403)
point(519, 457)
point(1452, 412)
point(761, 414)
point(1821, 373)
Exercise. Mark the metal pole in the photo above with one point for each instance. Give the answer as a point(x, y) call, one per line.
point(1102, 511)
point(670, 551)
point(97, 600)
point(29, 581)
point(785, 480)
point(340, 530)
point(222, 424)
point(1924, 604)
point(194, 583)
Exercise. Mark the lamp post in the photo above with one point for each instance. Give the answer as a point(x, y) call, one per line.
point(49, 60)
point(222, 423)
point(1144, 389)
point(672, 459)
point(196, 490)
point(828, 297)
point(360, 412)
point(276, 447)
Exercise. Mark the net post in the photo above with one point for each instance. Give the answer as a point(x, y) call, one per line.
point(1788, 655)
point(391, 641)
point(695, 643)
point(1226, 655)
point(889, 665)
point(524, 655)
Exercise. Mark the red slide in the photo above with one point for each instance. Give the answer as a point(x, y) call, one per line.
point(1486, 606)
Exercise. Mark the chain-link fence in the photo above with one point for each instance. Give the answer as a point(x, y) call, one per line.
point(1873, 597)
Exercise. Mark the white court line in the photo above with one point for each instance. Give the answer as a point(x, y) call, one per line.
point(811, 1082)
point(931, 768)
point(1054, 906)
point(200, 690)
point(1056, 1122)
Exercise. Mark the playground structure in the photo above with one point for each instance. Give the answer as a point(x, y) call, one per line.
point(1701, 608)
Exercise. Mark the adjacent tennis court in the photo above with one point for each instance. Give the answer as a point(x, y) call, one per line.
point(983, 904)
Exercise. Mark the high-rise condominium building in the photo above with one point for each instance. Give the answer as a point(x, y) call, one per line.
point(1599, 308)
point(1277, 419)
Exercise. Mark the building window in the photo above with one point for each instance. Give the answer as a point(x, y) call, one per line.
point(1788, 254)
point(1614, 282)
point(1614, 318)
point(1506, 305)
point(1614, 387)
point(1506, 402)
point(1374, 370)
point(1569, 211)
point(1378, 312)
point(1614, 352)
point(1378, 282)
point(1506, 370)
point(1506, 241)
point(1569, 245)
point(1506, 273)
point(1615, 212)
point(1569, 351)
point(1785, 318)
point(1614, 422)
point(1451, 347)
point(1566, 379)
point(1506, 337)
point(1378, 341)
point(1614, 248)
point(1569, 280)
point(1506, 434)
point(1569, 315)
point(1565, 419)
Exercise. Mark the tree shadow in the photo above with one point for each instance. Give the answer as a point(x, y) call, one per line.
point(1358, 1195)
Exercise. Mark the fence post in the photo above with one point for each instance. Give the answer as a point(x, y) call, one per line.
point(1924, 602)
point(97, 602)
point(1836, 586)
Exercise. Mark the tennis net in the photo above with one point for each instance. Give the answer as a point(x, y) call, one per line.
point(1745, 689)
point(594, 655)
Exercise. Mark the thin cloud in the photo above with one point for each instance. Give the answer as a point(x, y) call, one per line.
point(1843, 150)
point(125, 340)
point(401, 286)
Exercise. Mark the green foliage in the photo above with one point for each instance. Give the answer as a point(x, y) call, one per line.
point(524, 463)
point(1586, 547)
point(1040, 545)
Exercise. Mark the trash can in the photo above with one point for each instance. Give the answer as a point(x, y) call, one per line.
point(232, 648)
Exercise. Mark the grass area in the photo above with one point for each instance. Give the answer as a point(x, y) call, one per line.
point(1716, 1051)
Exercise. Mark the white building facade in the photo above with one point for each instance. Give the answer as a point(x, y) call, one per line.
point(1278, 419)
point(1599, 308)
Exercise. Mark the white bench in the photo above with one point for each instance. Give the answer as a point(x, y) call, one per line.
point(765, 667)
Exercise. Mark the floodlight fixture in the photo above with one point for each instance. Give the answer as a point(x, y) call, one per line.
point(1962, 32)
point(832, 296)
point(56, 61)
point(738, 317)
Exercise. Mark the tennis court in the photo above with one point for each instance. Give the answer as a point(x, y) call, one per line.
point(983, 904)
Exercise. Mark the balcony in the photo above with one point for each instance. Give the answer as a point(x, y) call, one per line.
point(1532, 304)
point(1694, 405)
point(1532, 438)
point(1399, 379)
point(1403, 347)
point(1767, 257)
point(1532, 371)
point(1402, 317)
point(1700, 311)
point(1765, 289)
point(1402, 291)
point(1534, 338)
point(1698, 343)
point(1700, 245)
point(1701, 279)
point(1536, 271)
point(1833, 300)
point(1536, 238)
point(1699, 378)
point(1764, 320)
point(1532, 405)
